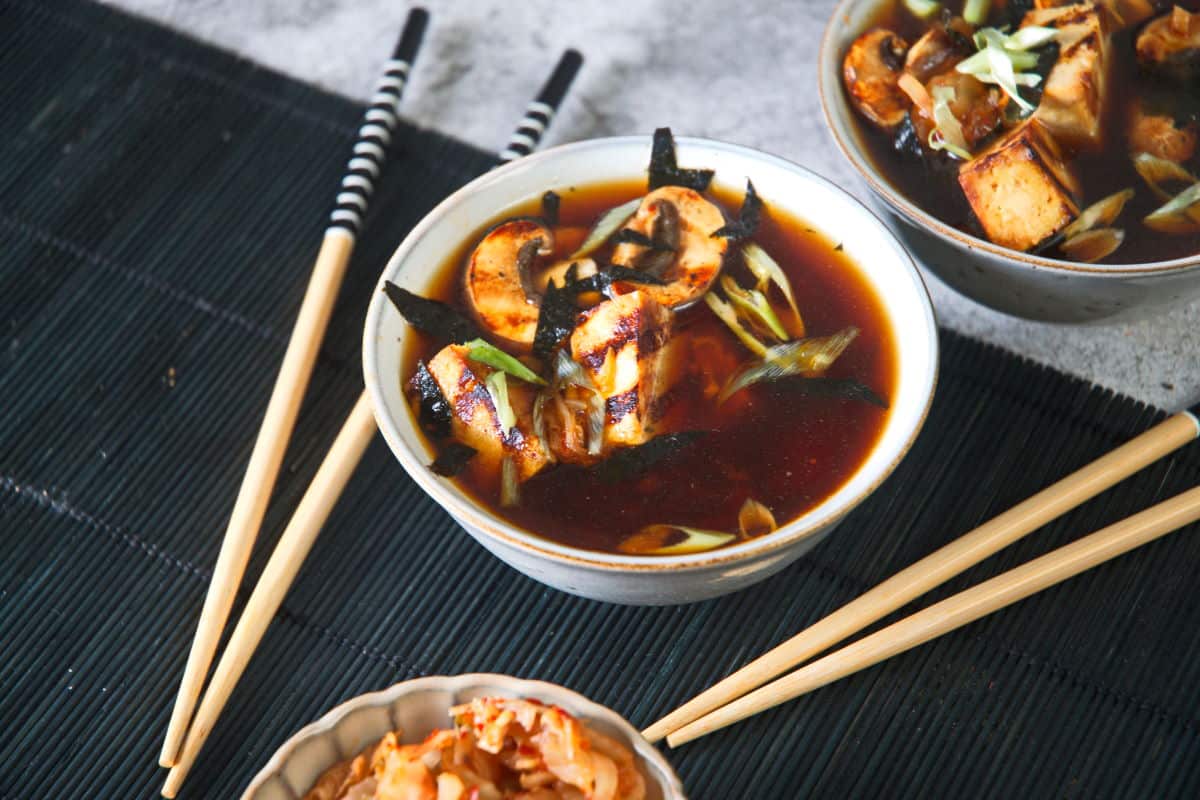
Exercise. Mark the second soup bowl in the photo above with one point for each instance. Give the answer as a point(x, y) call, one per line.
point(655, 580)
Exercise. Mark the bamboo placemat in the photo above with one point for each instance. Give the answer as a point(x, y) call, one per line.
point(160, 202)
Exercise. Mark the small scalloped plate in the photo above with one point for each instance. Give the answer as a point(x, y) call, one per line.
point(419, 706)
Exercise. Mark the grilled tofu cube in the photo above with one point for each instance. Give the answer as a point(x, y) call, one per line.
point(1020, 188)
point(622, 344)
point(1121, 13)
point(1075, 94)
point(474, 420)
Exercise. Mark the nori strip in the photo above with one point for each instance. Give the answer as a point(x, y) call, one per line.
point(558, 314)
point(433, 409)
point(664, 171)
point(550, 205)
point(749, 216)
point(846, 388)
point(633, 461)
point(452, 458)
point(429, 316)
point(616, 272)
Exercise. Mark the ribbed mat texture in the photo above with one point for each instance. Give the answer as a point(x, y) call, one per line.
point(160, 205)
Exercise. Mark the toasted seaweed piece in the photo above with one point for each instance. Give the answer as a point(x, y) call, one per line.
point(664, 171)
point(429, 316)
point(633, 461)
point(550, 205)
point(451, 459)
point(749, 216)
point(557, 315)
point(847, 388)
point(433, 410)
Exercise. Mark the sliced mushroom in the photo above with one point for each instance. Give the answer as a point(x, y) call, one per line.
point(680, 223)
point(1170, 44)
point(870, 71)
point(499, 283)
point(939, 49)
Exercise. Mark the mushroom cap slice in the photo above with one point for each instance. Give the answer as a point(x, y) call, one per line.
point(699, 255)
point(871, 72)
point(496, 291)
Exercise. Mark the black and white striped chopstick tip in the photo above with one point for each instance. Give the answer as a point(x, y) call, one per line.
point(541, 110)
point(375, 133)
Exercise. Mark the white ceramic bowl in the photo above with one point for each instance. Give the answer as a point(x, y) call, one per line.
point(1034, 287)
point(636, 579)
point(418, 707)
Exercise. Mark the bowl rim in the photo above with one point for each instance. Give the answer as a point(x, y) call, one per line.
point(922, 219)
point(467, 508)
point(524, 687)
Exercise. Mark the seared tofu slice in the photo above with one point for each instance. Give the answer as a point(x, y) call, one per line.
point(622, 345)
point(1020, 188)
point(474, 421)
point(1121, 13)
point(1075, 94)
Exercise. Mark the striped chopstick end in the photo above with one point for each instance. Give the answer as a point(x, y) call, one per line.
point(375, 133)
point(540, 112)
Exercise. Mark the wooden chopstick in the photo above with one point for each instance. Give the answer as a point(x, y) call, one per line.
point(314, 508)
point(940, 566)
point(374, 136)
point(958, 610)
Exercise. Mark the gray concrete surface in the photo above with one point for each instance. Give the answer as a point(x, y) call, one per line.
point(741, 72)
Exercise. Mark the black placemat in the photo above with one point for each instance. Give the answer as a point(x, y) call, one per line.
point(160, 203)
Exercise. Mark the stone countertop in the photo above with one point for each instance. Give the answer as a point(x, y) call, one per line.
point(704, 67)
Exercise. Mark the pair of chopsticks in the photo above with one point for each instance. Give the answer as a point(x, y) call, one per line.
point(183, 741)
point(747, 691)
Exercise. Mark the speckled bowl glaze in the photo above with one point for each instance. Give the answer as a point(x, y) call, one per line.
point(638, 579)
point(420, 706)
point(1024, 285)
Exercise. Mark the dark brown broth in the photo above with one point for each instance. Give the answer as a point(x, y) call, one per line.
point(932, 183)
point(786, 449)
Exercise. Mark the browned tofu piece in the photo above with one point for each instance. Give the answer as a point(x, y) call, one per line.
point(1020, 188)
point(622, 345)
point(871, 71)
point(1075, 94)
point(474, 421)
point(1121, 13)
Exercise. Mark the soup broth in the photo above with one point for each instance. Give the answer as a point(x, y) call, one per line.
point(931, 181)
point(781, 444)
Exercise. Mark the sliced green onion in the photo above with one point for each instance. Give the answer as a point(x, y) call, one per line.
point(487, 353)
point(510, 487)
point(1091, 246)
point(976, 11)
point(1030, 37)
point(924, 9)
point(754, 306)
point(1157, 171)
point(804, 356)
point(1002, 72)
point(497, 387)
point(597, 415)
point(1102, 212)
point(649, 541)
point(726, 314)
point(767, 270)
point(1180, 215)
point(948, 134)
point(606, 226)
point(568, 370)
point(755, 519)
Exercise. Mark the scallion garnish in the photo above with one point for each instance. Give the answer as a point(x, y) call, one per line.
point(923, 9)
point(754, 306)
point(948, 133)
point(801, 357)
point(497, 388)
point(976, 11)
point(510, 487)
point(1002, 56)
point(606, 226)
point(767, 270)
point(652, 541)
point(487, 353)
point(726, 314)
